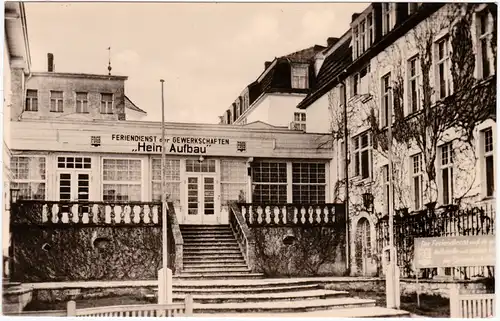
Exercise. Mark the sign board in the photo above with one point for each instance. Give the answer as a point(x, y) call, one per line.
point(452, 251)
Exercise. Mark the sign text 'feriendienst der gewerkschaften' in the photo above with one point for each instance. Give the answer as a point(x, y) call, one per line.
point(451, 251)
point(176, 144)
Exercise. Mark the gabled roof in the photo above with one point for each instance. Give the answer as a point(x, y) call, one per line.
point(334, 64)
point(304, 55)
point(260, 124)
point(130, 105)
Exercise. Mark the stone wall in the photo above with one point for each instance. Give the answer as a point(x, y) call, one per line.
point(314, 251)
point(69, 253)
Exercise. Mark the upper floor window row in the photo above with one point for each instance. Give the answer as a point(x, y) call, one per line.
point(58, 102)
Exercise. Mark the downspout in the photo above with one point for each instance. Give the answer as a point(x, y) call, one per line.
point(346, 172)
point(23, 102)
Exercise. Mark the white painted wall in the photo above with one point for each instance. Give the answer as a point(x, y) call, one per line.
point(260, 112)
point(283, 107)
point(134, 115)
point(318, 119)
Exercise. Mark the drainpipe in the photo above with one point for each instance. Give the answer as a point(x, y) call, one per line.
point(346, 171)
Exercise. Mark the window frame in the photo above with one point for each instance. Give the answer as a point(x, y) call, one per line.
point(57, 102)
point(486, 154)
point(16, 182)
point(297, 78)
point(125, 182)
point(417, 176)
point(231, 183)
point(168, 179)
point(84, 103)
point(386, 103)
point(357, 151)
point(386, 18)
point(443, 61)
point(317, 185)
point(413, 79)
point(446, 164)
point(483, 44)
point(278, 183)
point(108, 104)
point(33, 100)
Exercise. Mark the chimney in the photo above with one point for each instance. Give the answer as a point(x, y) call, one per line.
point(355, 16)
point(50, 62)
point(331, 41)
point(267, 64)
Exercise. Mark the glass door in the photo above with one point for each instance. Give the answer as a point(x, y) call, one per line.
point(201, 199)
point(73, 186)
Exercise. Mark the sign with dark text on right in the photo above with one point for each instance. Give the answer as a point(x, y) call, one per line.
point(452, 251)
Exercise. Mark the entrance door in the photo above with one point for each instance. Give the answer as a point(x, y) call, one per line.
point(74, 186)
point(201, 199)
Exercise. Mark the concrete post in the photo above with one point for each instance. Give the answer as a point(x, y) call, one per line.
point(71, 308)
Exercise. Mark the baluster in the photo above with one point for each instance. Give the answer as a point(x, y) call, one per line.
point(136, 210)
point(281, 215)
point(311, 214)
point(146, 214)
point(295, 215)
point(77, 213)
point(276, 214)
point(303, 213)
point(119, 211)
point(259, 212)
point(127, 210)
point(156, 212)
point(268, 213)
point(63, 216)
point(321, 214)
point(107, 214)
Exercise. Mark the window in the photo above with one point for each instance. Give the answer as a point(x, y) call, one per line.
point(28, 175)
point(233, 180)
point(362, 35)
point(386, 18)
point(362, 150)
point(172, 180)
point(31, 100)
point(417, 181)
point(355, 84)
point(413, 99)
point(300, 77)
point(308, 183)
point(82, 103)
point(483, 36)
point(413, 7)
point(443, 68)
point(74, 162)
point(447, 173)
point(122, 180)
point(386, 101)
point(385, 172)
point(56, 101)
point(269, 182)
point(489, 163)
point(356, 41)
point(370, 34)
point(195, 166)
point(299, 121)
point(238, 108)
point(229, 118)
point(106, 103)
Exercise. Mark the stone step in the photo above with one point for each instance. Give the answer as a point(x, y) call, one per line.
point(218, 276)
point(363, 312)
point(218, 269)
point(212, 257)
point(283, 306)
point(221, 264)
point(205, 228)
point(261, 297)
point(213, 261)
point(211, 240)
point(221, 242)
point(243, 289)
point(211, 251)
point(210, 245)
point(195, 233)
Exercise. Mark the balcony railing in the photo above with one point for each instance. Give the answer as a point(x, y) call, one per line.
point(37, 212)
point(266, 214)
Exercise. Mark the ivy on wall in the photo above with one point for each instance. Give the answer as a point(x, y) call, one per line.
point(85, 253)
point(315, 251)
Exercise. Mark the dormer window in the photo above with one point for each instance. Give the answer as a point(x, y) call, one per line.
point(300, 76)
point(362, 34)
point(413, 7)
point(387, 20)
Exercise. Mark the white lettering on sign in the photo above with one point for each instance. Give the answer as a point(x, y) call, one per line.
point(177, 144)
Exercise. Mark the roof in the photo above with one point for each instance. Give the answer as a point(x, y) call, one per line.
point(334, 64)
point(304, 55)
point(130, 105)
point(16, 35)
point(78, 75)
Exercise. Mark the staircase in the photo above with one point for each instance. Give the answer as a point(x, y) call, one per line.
point(217, 276)
point(211, 251)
